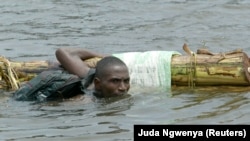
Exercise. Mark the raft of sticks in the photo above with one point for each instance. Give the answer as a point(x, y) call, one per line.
point(202, 68)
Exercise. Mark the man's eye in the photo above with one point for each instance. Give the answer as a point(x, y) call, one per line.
point(126, 81)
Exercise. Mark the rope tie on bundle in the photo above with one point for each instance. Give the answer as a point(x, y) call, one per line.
point(8, 74)
point(192, 66)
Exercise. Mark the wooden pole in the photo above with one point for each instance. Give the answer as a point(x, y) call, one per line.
point(202, 69)
point(194, 69)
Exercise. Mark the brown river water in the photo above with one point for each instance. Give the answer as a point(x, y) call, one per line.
point(34, 29)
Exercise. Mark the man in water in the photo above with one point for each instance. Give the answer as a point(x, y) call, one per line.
point(108, 78)
point(111, 76)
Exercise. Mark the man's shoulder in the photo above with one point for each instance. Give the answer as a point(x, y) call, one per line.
point(87, 81)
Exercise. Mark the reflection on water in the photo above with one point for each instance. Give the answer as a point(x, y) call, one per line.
point(116, 116)
point(219, 101)
point(33, 30)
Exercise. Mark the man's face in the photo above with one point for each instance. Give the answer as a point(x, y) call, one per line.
point(115, 82)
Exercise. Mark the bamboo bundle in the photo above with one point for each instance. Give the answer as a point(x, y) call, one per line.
point(205, 68)
point(8, 75)
point(194, 69)
point(14, 73)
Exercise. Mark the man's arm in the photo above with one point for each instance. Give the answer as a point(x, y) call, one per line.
point(71, 59)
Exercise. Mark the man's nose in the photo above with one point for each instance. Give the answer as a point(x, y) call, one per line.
point(122, 86)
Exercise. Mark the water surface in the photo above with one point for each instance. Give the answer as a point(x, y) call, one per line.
point(34, 29)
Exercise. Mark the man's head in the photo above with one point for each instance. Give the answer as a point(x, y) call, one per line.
point(112, 77)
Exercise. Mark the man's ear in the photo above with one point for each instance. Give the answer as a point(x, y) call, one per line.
point(97, 82)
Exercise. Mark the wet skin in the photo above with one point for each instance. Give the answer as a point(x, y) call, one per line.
point(115, 82)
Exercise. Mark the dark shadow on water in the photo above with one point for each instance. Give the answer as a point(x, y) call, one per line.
point(114, 106)
point(101, 107)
